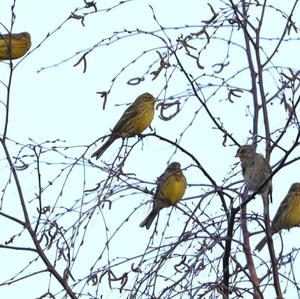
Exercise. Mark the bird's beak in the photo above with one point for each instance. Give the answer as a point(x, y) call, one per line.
point(237, 155)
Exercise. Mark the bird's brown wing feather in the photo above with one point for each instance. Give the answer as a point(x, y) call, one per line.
point(130, 113)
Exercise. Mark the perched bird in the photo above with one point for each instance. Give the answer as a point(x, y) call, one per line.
point(256, 170)
point(136, 118)
point(14, 45)
point(170, 189)
point(287, 215)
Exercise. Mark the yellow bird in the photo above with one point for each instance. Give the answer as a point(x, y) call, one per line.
point(170, 189)
point(136, 118)
point(287, 215)
point(15, 45)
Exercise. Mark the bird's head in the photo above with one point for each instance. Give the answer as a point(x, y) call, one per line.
point(174, 168)
point(147, 97)
point(295, 187)
point(245, 151)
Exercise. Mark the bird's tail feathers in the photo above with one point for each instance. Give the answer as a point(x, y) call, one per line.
point(149, 219)
point(265, 197)
point(271, 197)
point(98, 153)
point(261, 244)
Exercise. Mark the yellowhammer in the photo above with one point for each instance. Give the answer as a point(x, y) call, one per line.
point(136, 118)
point(287, 215)
point(170, 189)
point(15, 45)
point(256, 170)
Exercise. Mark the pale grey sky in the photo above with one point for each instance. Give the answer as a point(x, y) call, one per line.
point(50, 102)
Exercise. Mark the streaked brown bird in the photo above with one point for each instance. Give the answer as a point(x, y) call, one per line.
point(14, 45)
point(287, 215)
point(256, 170)
point(136, 118)
point(171, 186)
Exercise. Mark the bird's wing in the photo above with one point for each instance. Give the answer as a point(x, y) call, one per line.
point(264, 170)
point(160, 181)
point(282, 208)
point(263, 165)
point(130, 113)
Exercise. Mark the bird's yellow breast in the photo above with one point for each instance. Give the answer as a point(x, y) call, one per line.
point(292, 217)
point(144, 119)
point(174, 188)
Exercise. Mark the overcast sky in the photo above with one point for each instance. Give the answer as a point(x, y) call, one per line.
point(51, 99)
